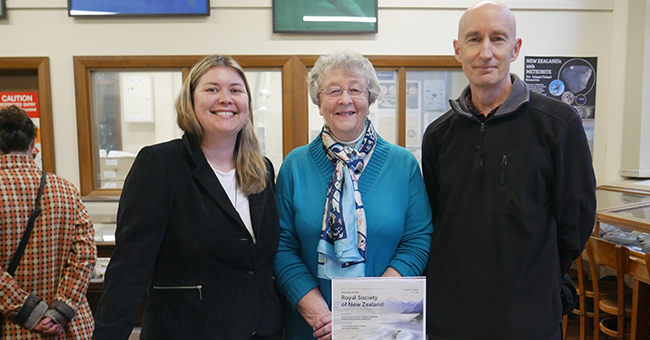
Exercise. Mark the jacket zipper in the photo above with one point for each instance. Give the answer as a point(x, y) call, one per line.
point(481, 132)
point(199, 287)
point(504, 165)
point(502, 181)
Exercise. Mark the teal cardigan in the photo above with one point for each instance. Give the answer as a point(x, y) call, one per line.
point(397, 212)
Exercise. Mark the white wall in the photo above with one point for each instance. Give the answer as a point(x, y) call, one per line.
point(406, 27)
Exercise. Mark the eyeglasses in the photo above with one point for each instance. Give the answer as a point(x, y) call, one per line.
point(337, 91)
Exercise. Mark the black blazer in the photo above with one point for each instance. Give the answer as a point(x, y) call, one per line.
point(180, 239)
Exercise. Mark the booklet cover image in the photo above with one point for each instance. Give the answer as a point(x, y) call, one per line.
point(378, 308)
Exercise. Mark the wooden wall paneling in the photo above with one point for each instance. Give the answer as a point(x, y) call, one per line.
point(431, 62)
point(84, 126)
point(295, 105)
point(47, 120)
point(19, 80)
point(401, 106)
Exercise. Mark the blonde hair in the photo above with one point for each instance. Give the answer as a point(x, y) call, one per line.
point(250, 168)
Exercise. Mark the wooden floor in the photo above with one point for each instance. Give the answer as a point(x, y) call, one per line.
point(573, 330)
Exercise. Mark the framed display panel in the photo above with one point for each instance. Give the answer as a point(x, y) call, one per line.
point(3, 9)
point(137, 8)
point(32, 74)
point(325, 16)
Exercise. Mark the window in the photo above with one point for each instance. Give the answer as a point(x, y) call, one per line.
point(427, 98)
point(125, 103)
point(131, 109)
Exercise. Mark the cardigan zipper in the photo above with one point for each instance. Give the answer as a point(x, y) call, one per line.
point(198, 287)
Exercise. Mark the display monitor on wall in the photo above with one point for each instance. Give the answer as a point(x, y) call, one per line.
point(324, 16)
point(138, 8)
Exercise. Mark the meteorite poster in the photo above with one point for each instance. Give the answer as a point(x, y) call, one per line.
point(572, 80)
point(569, 79)
point(378, 308)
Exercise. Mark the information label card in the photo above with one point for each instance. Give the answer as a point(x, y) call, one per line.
point(378, 308)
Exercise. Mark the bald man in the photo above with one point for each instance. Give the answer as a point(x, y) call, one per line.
point(512, 190)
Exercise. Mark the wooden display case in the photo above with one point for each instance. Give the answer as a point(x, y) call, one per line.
point(630, 210)
point(625, 209)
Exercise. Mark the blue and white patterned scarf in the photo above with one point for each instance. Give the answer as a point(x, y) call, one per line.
point(342, 245)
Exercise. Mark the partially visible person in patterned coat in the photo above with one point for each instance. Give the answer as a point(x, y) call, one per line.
point(46, 298)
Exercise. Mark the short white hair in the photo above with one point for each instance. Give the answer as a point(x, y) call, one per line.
point(351, 63)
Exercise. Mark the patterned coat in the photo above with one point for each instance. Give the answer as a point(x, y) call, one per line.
point(60, 256)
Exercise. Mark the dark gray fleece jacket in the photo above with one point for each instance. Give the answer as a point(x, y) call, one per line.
point(513, 200)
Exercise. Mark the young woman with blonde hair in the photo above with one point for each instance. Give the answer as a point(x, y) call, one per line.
point(197, 225)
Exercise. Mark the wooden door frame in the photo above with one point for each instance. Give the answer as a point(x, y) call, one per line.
point(40, 65)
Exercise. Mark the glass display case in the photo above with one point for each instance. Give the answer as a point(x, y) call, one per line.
point(103, 214)
point(624, 217)
point(608, 198)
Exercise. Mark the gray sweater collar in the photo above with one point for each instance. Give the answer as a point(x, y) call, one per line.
point(519, 95)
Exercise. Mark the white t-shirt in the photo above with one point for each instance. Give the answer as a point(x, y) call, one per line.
point(238, 200)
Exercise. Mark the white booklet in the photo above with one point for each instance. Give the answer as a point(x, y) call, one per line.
point(378, 308)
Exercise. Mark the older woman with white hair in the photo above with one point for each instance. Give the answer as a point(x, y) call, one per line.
point(350, 203)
